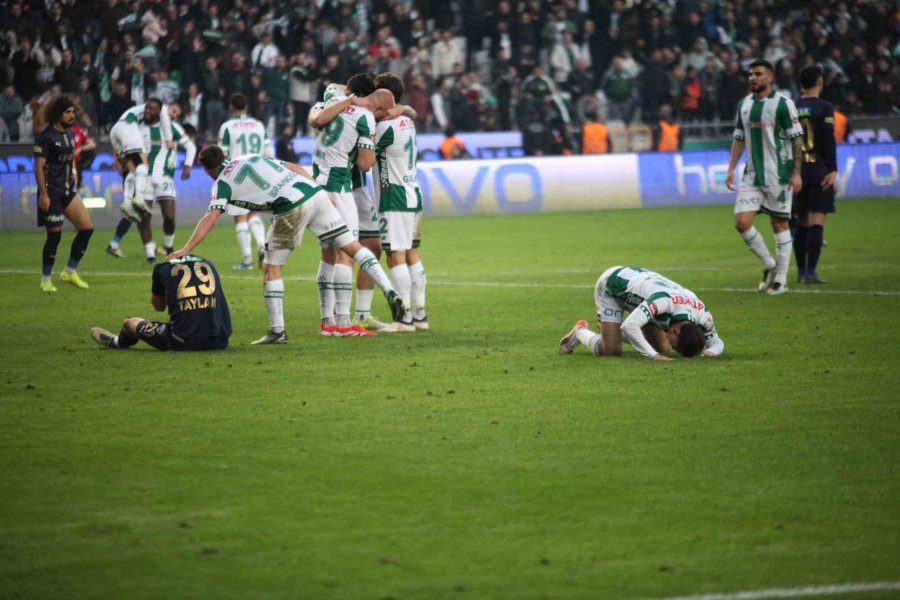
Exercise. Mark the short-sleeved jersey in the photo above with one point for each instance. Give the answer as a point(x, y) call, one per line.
point(58, 150)
point(135, 115)
point(819, 153)
point(261, 184)
point(661, 299)
point(244, 135)
point(195, 299)
point(337, 143)
point(767, 127)
point(396, 187)
point(161, 158)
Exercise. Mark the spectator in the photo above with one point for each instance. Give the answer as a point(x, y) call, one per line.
point(67, 73)
point(304, 87)
point(11, 108)
point(594, 135)
point(453, 148)
point(565, 56)
point(445, 53)
point(193, 106)
point(667, 134)
point(733, 88)
point(277, 83)
point(620, 91)
point(690, 95)
point(710, 85)
point(265, 53)
point(284, 143)
point(86, 100)
point(440, 106)
point(580, 81)
point(654, 84)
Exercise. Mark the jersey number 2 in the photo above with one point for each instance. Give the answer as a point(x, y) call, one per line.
point(201, 270)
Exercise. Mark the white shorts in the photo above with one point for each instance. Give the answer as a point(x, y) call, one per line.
point(126, 138)
point(236, 211)
point(346, 207)
point(159, 188)
point(774, 200)
point(400, 230)
point(318, 215)
point(608, 308)
point(366, 213)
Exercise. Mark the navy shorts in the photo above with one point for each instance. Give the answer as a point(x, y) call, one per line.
point(160, 336)
point(812, 198)
point(54, 215)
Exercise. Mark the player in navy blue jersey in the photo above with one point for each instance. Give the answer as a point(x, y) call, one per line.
point(819, 171)
point(54, 171)
point(199, 319)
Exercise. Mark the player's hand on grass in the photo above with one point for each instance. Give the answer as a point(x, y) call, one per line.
point(729, 180)
point(796, 183)
point(829, 180)
point(709, 355)
point(659, 357)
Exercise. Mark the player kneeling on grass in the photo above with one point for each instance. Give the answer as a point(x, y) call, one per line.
point(198, 313)
point(287, 190)
point(663, 315)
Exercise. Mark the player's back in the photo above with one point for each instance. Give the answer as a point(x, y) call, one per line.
point(817, 119)
point(243, 135)
point(194, 297)
point(260, 183)
point(397, 186)
point(135, 114)
point(336, 144)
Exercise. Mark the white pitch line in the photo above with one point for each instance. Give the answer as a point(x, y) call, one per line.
point(823, 590)
point(486, 284)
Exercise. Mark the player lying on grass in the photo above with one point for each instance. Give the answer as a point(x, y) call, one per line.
point(198, 313)
point(288, 191)
point(663, 315)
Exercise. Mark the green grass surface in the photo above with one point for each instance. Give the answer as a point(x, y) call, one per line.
point(471, 461)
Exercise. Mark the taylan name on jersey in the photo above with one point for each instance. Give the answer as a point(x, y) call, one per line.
point(336, 145)
point(244, 135)
point(396, 187)
point(259, 183)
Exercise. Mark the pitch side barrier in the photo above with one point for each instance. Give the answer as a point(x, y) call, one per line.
point(513, 185)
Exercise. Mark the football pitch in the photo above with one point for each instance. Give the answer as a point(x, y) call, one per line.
point(470, 461)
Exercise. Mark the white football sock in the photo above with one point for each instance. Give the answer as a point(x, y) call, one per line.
point(343, 292)
point(326, 292)
point(417, 290)
point(367, 262)
point(364, 303)
point(403, 285)
point(150, 249)
point(258, 229)
point(242, 230)
point(169, 240)
point(757, 245)
point(140, 181)
point(594, 341)
point(273, 293)
point(128, 188)
point(783, 247)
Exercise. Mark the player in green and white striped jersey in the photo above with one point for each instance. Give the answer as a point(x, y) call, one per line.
point(768, 125)
point(127, 142)
point(240, 135)
point(259, 183)
point(663, 315)
point(400, 208)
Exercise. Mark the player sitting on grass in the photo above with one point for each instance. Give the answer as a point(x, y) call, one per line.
point(198, 313)
point(288, 191)
point(664, 315)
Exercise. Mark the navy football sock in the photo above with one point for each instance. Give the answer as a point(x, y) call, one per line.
point(126, 340)
point(814, 247)
point(801, 234)
point(79, 246)
point(121, 229)
point(49, 253)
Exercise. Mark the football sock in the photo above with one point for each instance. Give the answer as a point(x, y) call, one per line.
point(801, 234)
point(783, 255)
point(417, 290)
point(168, 232)
point(125, 339)
point(594, 341)
point(364, 303)
point(326, 292)
point(273, 292)
point(128, 188)
point(140, 181)
point(342, 281)
point(814, 247)
point(121, 229)
point(757, 246)
point(258, 230)
point(403, 285)
point(242, 230)
point(169, 240)
point(48, 255)
point(79, 246)
point(367, 262)
point(150, 249)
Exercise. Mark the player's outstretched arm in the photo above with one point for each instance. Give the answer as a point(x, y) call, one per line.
point(329, 113)
point(633, 334)
point(204, 226)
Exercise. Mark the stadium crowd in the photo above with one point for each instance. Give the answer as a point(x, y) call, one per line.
point(541, 66)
